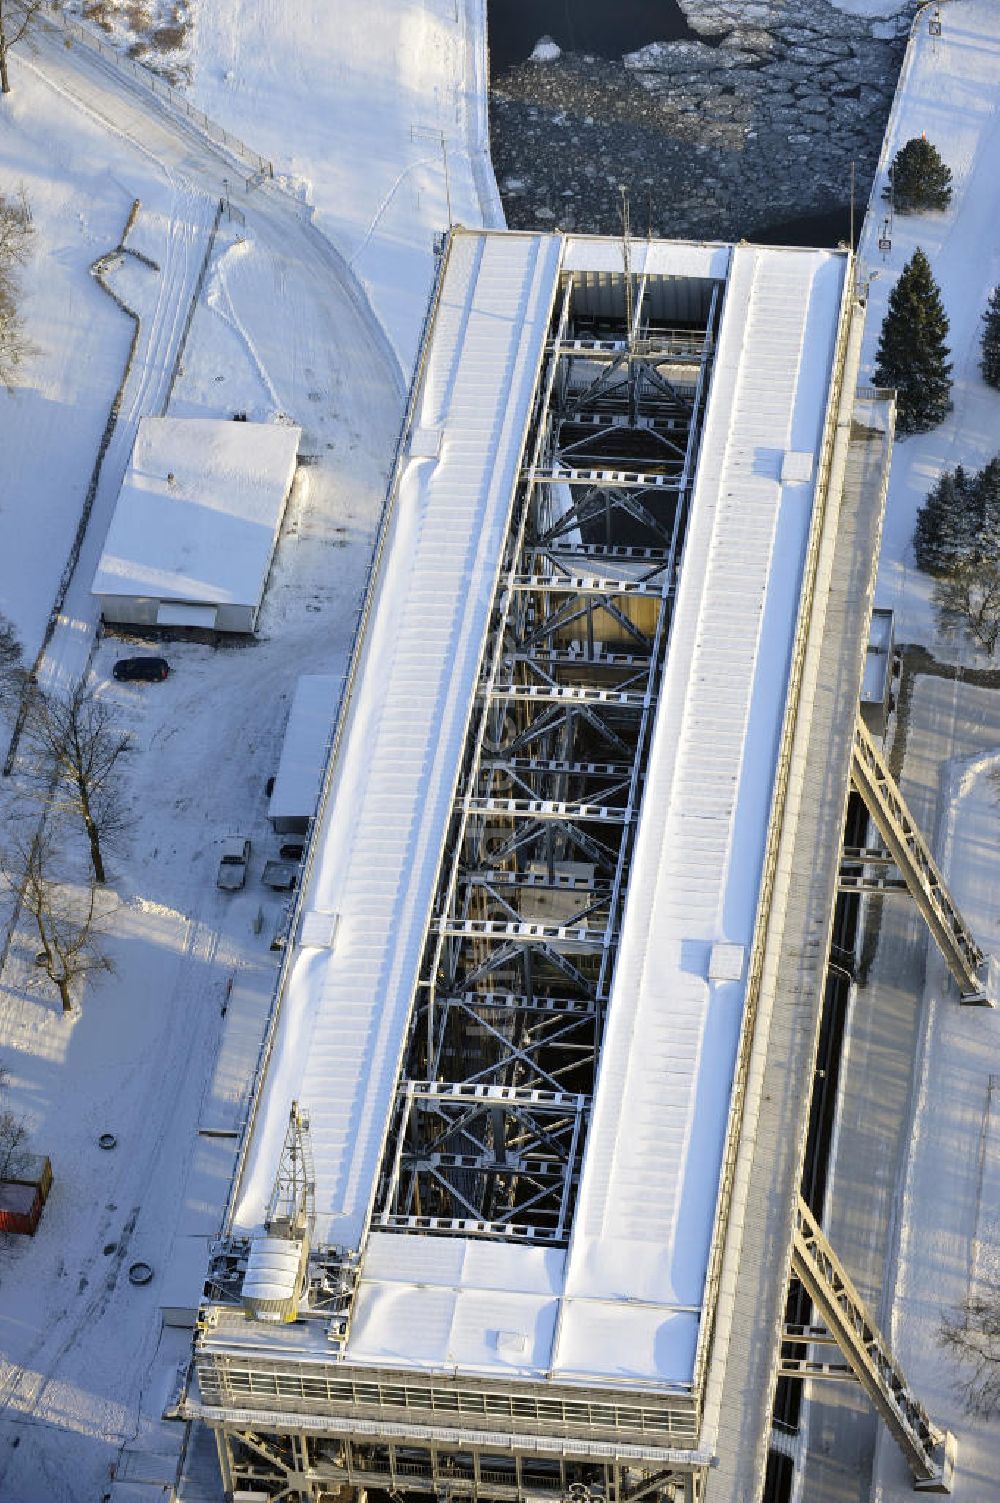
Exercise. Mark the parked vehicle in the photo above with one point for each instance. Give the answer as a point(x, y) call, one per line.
point(233, 863)
point(141, 670)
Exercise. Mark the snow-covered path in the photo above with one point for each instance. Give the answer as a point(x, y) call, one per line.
point(377, 114)
point(320, 300)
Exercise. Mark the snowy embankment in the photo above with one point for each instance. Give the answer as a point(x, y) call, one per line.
point(80, 185)
point(375, 114)
point(950, 89)
point(949, 1211)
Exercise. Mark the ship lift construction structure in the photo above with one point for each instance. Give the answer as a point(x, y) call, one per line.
point(517, 1205)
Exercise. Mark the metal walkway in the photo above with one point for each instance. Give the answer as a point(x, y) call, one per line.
point(973, 970)
point(929, 1452)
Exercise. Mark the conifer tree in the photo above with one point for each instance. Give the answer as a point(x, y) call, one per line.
point(920, 179)
point(987, 506)
point(948, 524)
point(912, 355)
point(990, 362)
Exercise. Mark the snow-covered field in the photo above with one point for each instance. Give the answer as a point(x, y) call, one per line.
point(377, 115)
point(950, 90)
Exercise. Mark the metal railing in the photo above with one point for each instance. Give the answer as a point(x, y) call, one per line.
point(876, 394)
point(75, 32)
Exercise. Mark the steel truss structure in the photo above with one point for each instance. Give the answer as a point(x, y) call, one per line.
point(490, 1118)
point(490, 1114)
point(290, 1465)
point(919, 875)
point(929, 1451)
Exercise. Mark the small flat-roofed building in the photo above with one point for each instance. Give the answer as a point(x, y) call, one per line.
point(196, 523)
point(303, 752)
point(536, 1082)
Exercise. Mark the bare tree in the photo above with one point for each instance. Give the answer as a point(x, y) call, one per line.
point(65, 918)
point(16, 19)
point(11, 669)
point(968, 600)
point(972, 1336)
point(15, 237)
point(13, 1135)
point(79, 747)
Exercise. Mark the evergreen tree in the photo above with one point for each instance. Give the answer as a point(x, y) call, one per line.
point(987, 507)
point(948, 524)
point(990, 362)
point(920, 180)
point(912, 355)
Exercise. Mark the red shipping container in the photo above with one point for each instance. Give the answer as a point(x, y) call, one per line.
point(20, 1208)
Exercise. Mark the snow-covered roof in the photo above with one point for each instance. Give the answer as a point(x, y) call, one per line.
point(304, 749)
point(623, 1303)
point(382, 825)
point(657, 258)
point(198, 511)
point(641, 1239)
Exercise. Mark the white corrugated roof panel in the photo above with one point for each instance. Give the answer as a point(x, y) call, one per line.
point(343, 1016)
point(659, 258)
point(650, 1179)
point(452, 1301)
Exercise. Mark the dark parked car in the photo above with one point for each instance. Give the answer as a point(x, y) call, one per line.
point(143, 670)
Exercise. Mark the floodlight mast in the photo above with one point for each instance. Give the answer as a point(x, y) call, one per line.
point(291, 1208)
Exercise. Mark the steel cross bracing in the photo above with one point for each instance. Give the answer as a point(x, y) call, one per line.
point(929, 1451)
point(489, 1121)
point(907, 849)
point(294, 1464)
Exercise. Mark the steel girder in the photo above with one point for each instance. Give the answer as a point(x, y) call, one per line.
point(295, 1465)
point(973, 970)
point(929, 1451)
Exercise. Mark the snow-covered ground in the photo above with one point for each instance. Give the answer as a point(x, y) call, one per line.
point(950, 89)
point(945, 1206)
point(949, 1207)
point(377, 115)
point(281, 329)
